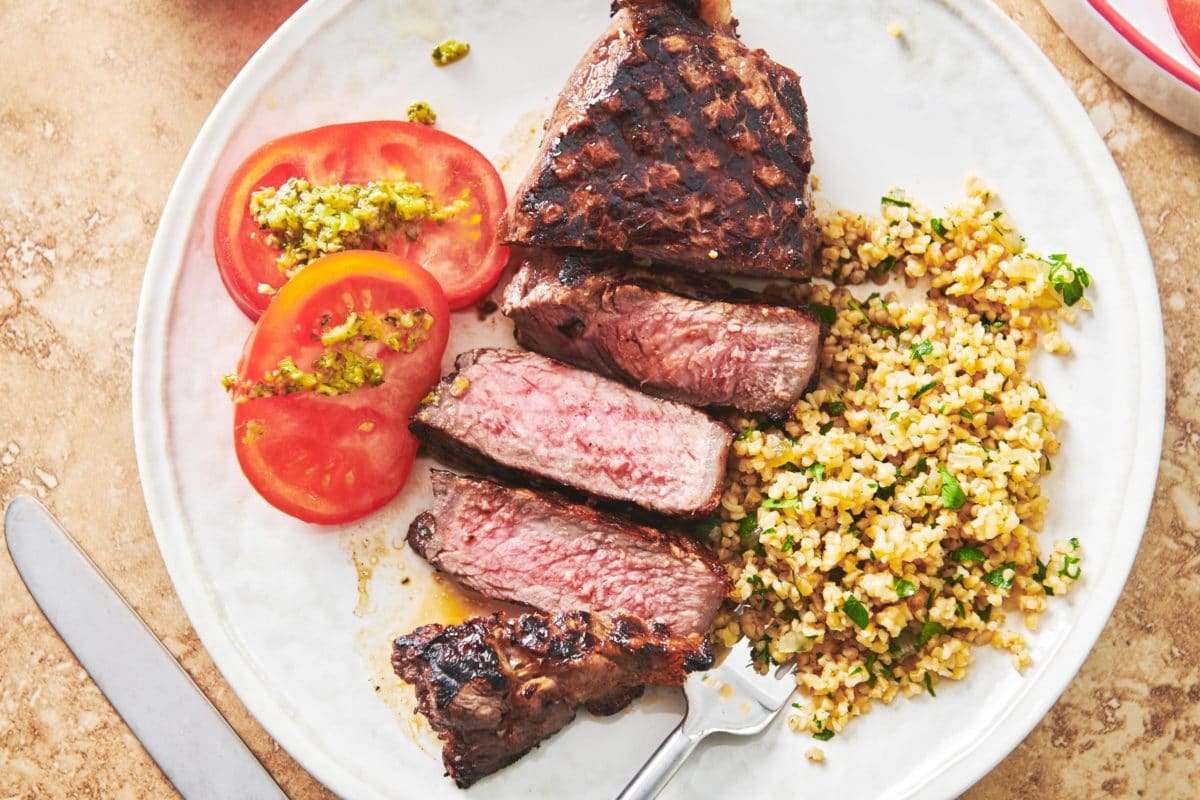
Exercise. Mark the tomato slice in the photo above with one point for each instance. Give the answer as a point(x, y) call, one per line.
point(463, 253)
point(331, 459)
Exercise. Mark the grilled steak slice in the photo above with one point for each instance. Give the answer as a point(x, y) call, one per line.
point(537, 417)
point(538, 549)
point(665, 335)
point(492, 688)
point(674, 141)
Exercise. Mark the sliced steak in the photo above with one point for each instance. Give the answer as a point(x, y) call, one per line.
point(666, 334)
point(674, 141)
point(537, 417)
point(538, 549)
point(492, 688)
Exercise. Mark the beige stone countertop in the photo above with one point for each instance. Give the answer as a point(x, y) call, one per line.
point(98, 105)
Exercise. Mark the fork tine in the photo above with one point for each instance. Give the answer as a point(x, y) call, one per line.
point(750, 705)
point(771, 689)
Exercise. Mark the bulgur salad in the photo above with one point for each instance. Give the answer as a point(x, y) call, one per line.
point(891, 522)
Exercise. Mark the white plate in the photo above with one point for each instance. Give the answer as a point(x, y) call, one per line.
point(277, 603)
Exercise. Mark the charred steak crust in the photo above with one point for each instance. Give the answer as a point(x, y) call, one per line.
point(423, 529)
point(538, 549)
point(572, 267)
point(527, 417)
point(674, 141)
point(690, 338)
point(493, 687)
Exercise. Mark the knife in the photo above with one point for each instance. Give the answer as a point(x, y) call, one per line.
point(185, 735)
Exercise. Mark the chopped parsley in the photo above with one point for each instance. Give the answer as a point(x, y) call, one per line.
point(817, 471)
point(938, 226)
point(923, 389)
point(760, 588)
point(825, 428)
point(1067, 279)
point(1039, 575)
point(929, 630)
point(953, 496)
point(763, 655)
point(1070, 568)
point(885, 492)
point(827, 314)
point(790, 502)
point(965, 555)
point(992, 324)
point(747, 527)
point(834, 408)
point(904, 588)
point(921, 349)
point(929, 685)
point(886, 328)
point(996, 577)
point(991, 398)
point(788, 544)
point(856, 611)
point(965, 414)
point(823, 735)
point(883, 267)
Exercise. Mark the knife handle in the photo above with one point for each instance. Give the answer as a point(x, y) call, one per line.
point(662, 766)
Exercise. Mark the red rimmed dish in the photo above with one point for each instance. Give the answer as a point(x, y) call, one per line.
point(1140, 46)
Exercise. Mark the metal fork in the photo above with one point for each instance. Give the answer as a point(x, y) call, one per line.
point(733, 698)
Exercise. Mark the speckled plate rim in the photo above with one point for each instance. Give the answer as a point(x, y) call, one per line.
point(162, 493)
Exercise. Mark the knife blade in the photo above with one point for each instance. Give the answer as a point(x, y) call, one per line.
point(186, 736)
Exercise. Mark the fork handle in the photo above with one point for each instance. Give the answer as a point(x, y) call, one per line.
point(662, 766)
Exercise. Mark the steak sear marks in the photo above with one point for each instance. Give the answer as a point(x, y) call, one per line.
point(674, 141)
point(492, 688)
